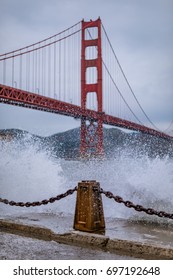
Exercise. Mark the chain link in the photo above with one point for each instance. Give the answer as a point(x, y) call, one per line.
point(137, 207)
point(38, 203)
point(108, 194)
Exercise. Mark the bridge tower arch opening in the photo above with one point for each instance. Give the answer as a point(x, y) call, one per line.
point(91, 130)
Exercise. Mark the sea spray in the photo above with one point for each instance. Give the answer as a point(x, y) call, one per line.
point(31, 173)
point(28, 174)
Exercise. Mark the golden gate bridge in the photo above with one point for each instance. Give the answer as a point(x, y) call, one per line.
point(75, 73)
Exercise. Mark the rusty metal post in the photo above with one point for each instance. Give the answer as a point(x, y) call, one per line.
point(89, 214)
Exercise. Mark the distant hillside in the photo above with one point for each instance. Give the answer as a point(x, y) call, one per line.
point(66, 144)
point(16, 133)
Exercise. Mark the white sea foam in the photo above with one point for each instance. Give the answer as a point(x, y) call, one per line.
point(28, 174)
point(31, 174)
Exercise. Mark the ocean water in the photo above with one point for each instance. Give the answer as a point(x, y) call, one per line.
point(29, 173)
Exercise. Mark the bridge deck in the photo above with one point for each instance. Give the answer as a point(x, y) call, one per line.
point(14, 96)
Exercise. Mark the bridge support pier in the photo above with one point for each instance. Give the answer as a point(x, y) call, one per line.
point(91, 139)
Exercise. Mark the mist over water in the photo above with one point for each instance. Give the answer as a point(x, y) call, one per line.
point(29, 173)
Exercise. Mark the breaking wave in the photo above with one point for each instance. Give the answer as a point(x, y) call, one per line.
point(30, 173)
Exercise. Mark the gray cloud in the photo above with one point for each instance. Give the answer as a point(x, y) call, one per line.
point(141, 33)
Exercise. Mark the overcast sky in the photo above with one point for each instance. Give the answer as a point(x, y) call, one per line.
point(141, 32)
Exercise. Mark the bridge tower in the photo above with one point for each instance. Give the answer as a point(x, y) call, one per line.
point(91, 130)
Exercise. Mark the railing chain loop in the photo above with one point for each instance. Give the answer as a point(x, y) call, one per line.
point(38, 203)
point(137, 207)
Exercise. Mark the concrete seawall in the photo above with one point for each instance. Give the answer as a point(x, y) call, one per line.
point(128, 238)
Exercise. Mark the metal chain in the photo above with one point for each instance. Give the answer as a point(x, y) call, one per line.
point(108, 194)
point(137, 207)
point(38, 203)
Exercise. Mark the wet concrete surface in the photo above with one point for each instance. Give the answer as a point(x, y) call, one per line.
point(123, 239)
point(15, 247)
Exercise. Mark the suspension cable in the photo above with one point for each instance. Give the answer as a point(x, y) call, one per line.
point(121, 93)
point(128, 81)
point(11, 54)
point(40, 47)
point(42, 41)
point(169, 126)
point(117, 86)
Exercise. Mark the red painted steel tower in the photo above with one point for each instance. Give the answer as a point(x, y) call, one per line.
point(92, 130)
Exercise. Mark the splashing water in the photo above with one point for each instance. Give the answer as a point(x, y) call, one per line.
point(28, 174)
point(31, 174)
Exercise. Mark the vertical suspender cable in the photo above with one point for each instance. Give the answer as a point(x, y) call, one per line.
point(29, 71)
point(36, 88)
point(38, 68)
point(64, 74)
point(26, 72)
point(69, 60)
point(12, 71)
point(54, 61)
point(4, 71)
point(60, 70)
point(33, 71)
point(49, 70)
point(20, 71)
point(43, 69)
